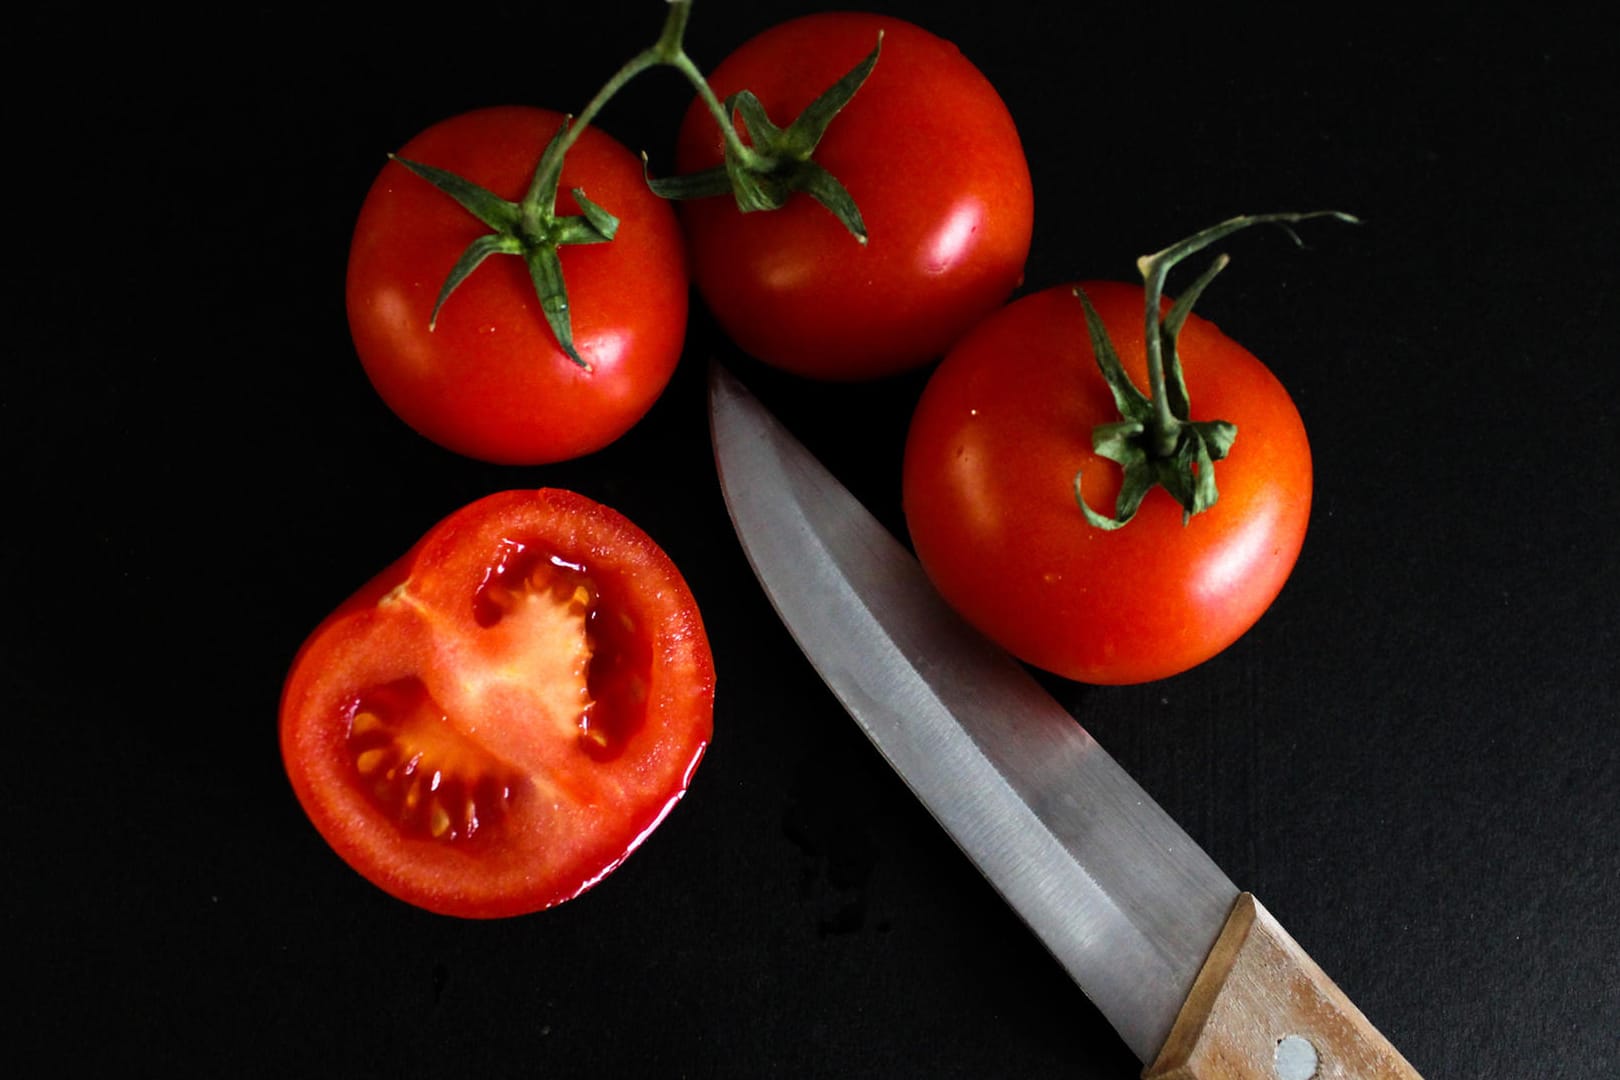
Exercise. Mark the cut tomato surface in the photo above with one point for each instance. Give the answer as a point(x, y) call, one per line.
point(495, 722)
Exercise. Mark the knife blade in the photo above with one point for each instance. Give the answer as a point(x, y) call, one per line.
point(1194, 975)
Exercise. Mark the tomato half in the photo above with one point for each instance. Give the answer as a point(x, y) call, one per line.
point(496, 721)
point(999, 433)
point(489, 380)
point(930, 155)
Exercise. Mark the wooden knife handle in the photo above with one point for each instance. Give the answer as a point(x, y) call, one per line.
point(1262, 1008)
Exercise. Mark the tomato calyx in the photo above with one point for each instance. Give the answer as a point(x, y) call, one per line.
point(531, 229)
point(1155, 441)
point(776, 162)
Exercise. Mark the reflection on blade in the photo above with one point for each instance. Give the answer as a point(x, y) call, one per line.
point(1122, 897)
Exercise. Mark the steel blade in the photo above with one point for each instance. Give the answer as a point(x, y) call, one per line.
point(1119, 894)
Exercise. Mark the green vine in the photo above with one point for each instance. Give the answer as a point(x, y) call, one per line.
point(779, 161)
point(1155, 440)
point(761, 174)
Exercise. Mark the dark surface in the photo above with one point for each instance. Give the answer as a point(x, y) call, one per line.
point(1413, 760)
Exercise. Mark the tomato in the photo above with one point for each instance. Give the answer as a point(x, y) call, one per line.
point(496, 721)
point(489, 379)
point(1001, 430)
point(931, 157)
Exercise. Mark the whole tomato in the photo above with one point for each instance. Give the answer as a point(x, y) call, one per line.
point(488, 378)
point(497, 720)
point(931, 158)
point(1002, 430)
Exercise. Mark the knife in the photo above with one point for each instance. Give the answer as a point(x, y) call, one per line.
point(1195, 975)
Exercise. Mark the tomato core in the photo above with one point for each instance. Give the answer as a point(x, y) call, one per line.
point(617, 664)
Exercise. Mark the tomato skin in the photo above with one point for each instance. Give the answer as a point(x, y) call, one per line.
point(489, 380)
point(998, 434)
point(931, 157)
point(493, 698)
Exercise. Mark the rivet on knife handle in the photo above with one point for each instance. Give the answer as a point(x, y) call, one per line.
point(1262, 1008)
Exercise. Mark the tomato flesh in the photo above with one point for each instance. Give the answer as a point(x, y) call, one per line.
point(612, 663)
point(497, 721)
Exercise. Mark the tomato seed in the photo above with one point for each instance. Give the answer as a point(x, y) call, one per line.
point(422, 773)
point(438, 822)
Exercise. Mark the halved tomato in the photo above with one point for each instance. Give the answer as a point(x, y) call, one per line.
point(495, 722)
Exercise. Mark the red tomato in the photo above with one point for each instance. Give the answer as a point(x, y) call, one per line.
point(498, 719)
point(489, 380)
point(999, 433)
point(932, 159)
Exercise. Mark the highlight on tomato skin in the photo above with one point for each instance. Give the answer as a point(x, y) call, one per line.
point(495, 722)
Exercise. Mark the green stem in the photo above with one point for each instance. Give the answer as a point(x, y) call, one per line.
point(668, 51)
point(1156, 441)
point(671, 50)
point(552, 162)
point(1155, 269)
point(728, 130)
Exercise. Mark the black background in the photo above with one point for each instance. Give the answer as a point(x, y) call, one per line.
point(1413, 759)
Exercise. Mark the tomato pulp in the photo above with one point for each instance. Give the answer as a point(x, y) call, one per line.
point(495, 722)
point(998, 436)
